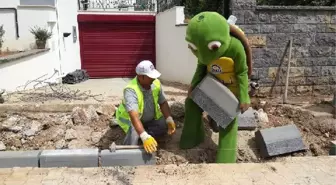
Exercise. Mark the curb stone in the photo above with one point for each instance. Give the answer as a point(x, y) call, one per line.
point(9, 159)
point(75, 158)
point(279, 140)
point(128, 157)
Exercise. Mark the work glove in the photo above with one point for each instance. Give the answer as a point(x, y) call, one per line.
point(149, 142)
point(171, 125)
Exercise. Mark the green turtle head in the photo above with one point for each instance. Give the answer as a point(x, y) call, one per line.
point(208, 36)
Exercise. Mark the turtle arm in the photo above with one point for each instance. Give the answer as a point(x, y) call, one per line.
point(201, 71)
point(234, 31)
point(241, 70)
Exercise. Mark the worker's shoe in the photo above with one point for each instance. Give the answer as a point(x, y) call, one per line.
point(213, 125)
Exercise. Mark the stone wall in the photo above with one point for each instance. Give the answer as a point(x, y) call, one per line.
point(269, 28)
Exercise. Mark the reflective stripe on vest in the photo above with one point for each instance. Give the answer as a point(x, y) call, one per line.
point(122, 114)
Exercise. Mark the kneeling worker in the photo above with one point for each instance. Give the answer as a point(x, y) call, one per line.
point(144, 112)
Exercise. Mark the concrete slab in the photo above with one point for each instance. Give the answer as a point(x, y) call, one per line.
point(279, 140)
point(10, 159)
point(207, 94)
point(127, 157)
point(69, 158)
point(247, 120)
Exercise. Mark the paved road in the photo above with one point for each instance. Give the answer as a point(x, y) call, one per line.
point(306, 170)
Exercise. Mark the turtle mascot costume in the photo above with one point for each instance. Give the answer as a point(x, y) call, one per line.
point(222, 50)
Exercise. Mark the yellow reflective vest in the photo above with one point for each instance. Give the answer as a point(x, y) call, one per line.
point(122, 115)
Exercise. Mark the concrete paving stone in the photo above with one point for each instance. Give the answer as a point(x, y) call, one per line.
point(127, 157)
point(332, 150)
point(247, 120)
point(279, 140)
point(206, 95)
point(74, 158)
point(10, 159)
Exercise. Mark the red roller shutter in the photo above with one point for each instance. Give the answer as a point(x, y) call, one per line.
point(112, 45)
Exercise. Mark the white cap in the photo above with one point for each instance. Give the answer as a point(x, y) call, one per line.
point(146, 67)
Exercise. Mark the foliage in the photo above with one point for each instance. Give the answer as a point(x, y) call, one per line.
point(193, 7)
point(297, 2)
point(2, 33)
point(41, 34)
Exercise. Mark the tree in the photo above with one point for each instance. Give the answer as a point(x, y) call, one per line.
point(193, 7)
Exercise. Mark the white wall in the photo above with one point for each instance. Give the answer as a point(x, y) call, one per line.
point(9, 3)
point(17, 73)
point(70, 52)
point(64, 54)
point(173, 58)
point(28, 17)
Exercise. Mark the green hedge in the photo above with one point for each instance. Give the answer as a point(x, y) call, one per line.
point(297, 2)
point(193, 7)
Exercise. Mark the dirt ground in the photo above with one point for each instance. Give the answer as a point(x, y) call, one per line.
point(89, 128)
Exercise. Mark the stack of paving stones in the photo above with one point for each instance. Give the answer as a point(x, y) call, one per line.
point(75, 158)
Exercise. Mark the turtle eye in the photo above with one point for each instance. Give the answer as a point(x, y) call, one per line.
point(214, 45)
point(192, 46)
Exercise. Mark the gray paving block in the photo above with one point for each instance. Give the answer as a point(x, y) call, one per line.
point(127, 157)
point(247, 120)
point(10, 159)
point(332, 150)
point(217, 100)
point(76, 158)
point(279, 140)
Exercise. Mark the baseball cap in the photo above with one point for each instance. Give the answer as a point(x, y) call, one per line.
point(146, 67)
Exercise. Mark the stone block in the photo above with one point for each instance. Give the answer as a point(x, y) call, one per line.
point(277, 40)
point(323, 17)
point(268, 28)
point(333, 19)
point(72, 158)
point(333, 52)
point(304, 89)
point(264, 17)
point(243, 4)
point(330, 28)
point(247, 29)
point(313, 71)
point(284, 28)
point(10, 159)
point(325, 39)
point(127, 157)
point(283, 17)
point(320, 51)
point(306, 17)
point(306, 28)
point(303, 39)
point(247, 120)
point(257, 40)
point(300, 52)
point(240, 16)
point(332, 150)
point(279, 140)
point(206, 95)
point(321, 80)
point(250, 17)
point(328, 70)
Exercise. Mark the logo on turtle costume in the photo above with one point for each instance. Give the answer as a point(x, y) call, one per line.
point(216, 69)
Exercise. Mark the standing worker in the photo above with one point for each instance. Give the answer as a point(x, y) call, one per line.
point(144, 112)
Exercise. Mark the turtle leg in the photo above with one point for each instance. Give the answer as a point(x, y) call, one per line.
point(227, 145)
